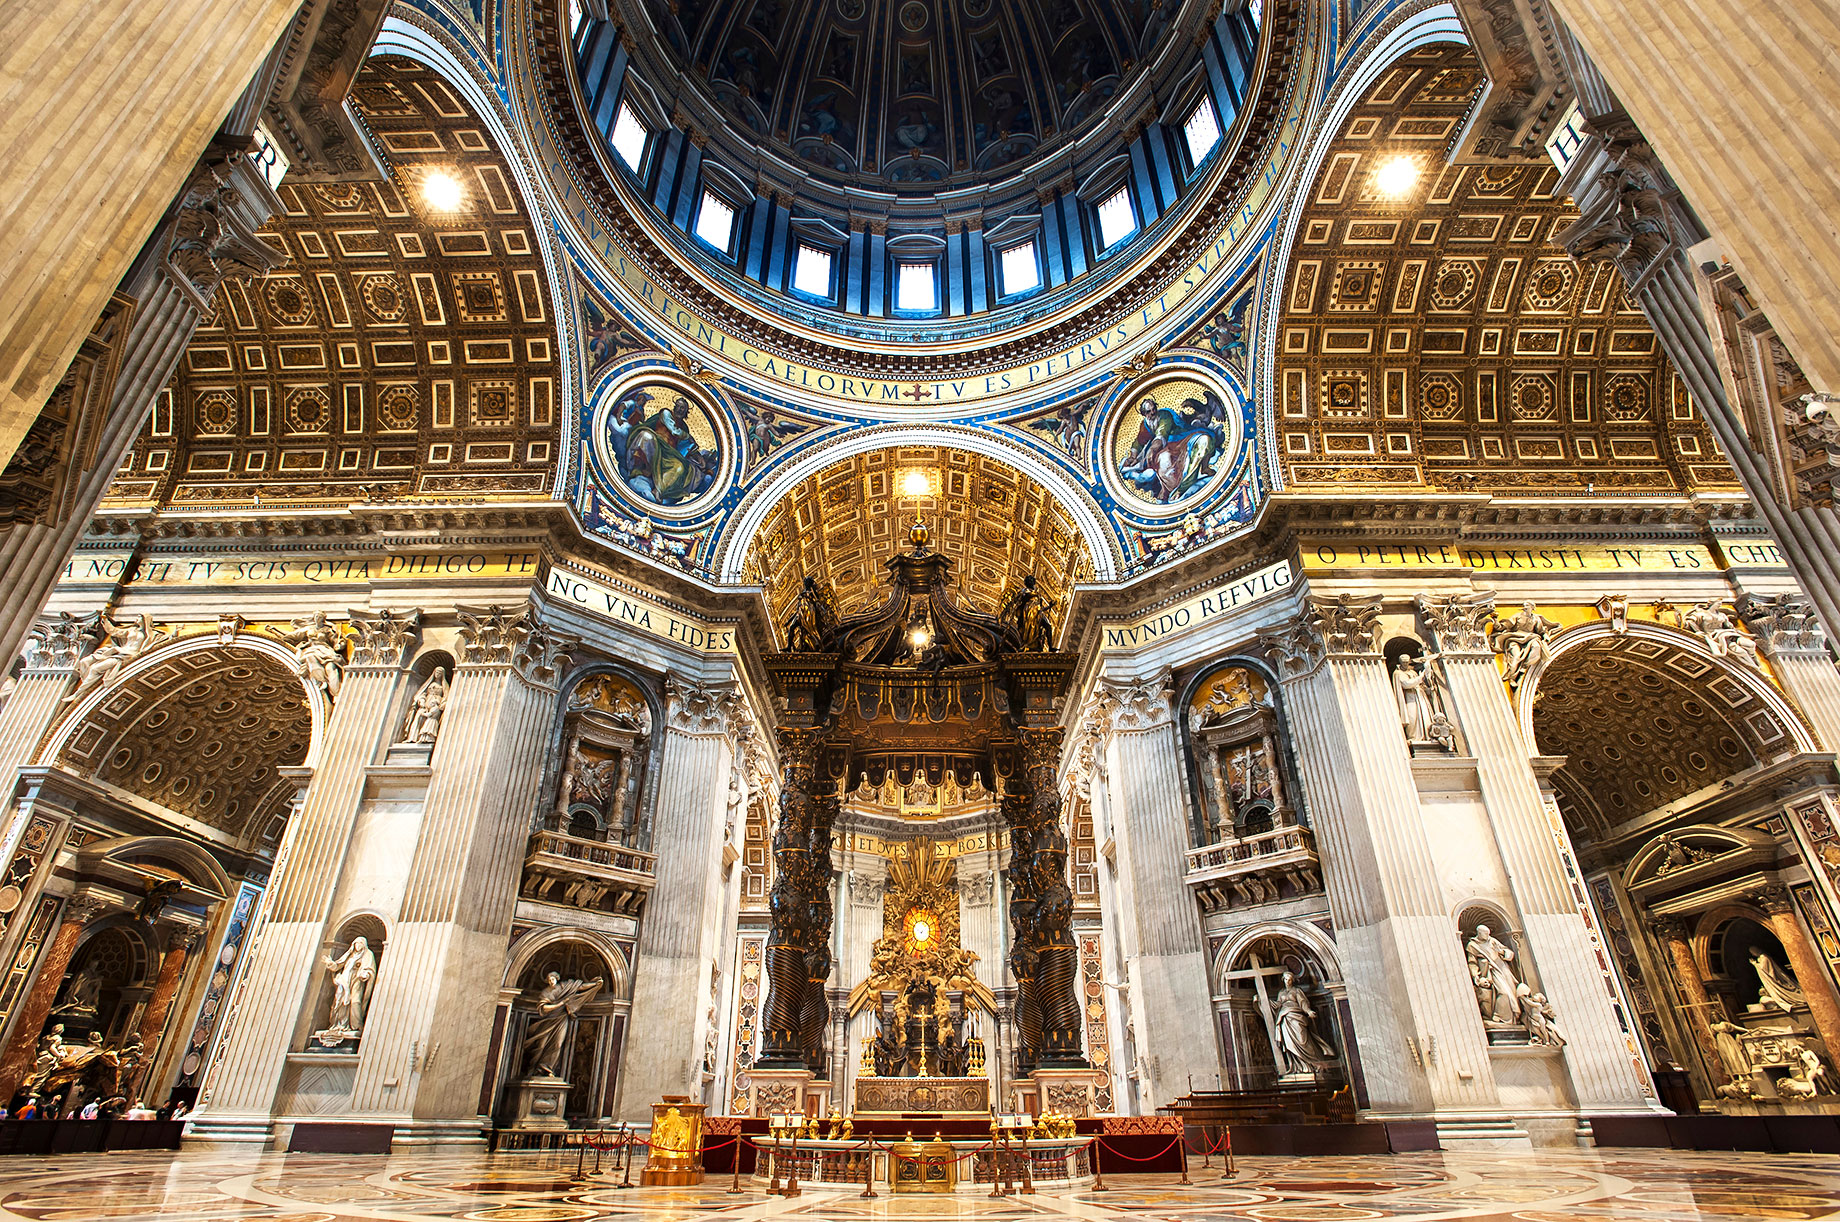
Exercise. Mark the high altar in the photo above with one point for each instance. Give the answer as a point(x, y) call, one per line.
point(924, 1056)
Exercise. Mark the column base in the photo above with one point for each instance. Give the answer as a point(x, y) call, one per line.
point(1495, 1134)
point(230, 1133)
point(445, 1134)
point(1065, 1089)
point(779, 1090)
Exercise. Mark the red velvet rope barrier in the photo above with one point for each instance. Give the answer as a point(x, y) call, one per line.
point(1127, 1158)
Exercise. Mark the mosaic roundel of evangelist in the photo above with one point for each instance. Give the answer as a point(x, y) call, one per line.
point(663, 446)
point(1171, 443)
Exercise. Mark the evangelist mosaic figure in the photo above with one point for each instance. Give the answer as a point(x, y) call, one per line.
point(658, 453)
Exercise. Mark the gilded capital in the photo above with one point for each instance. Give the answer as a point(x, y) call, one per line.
point(491, 636)
point(1773, 898)
point(1294, 648)
point(1782, 624)
point(1346, 625)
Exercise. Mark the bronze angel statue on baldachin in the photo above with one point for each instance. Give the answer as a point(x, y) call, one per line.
point(812, 622)
point(1027, 618)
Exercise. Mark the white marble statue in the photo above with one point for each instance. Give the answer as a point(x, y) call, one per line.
point(423, 724)
point(1293, 1022)
point(1491, 969)
point(1777, 986)
point(1806, 1074)
point(1542, 1019)
point(319, 648)
point(1521, 640)
point(1727, 1039)
point(1723, 637)
point(352, 974)
point(1420, 693)
point(120, 644)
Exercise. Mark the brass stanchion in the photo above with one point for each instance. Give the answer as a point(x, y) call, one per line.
point(1098, 1171)
point(869, 1173)
point(792, 1171)
point(1227, 1153)
point(581, 1155)
point(1028, 1170)
point(626, 1163)
point(734, 1181)
point(1182, 1145)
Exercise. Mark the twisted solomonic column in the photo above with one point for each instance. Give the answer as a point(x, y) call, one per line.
point(792, 932)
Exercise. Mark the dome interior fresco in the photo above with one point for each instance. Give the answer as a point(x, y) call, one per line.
point(842, 524)
point(400, 352)
point(911, 95)
point(1643, 724)
point(1442, 337)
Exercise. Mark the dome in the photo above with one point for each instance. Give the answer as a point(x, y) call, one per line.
point(913, 95)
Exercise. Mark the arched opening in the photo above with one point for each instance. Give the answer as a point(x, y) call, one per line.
point(585, 1054)
point(1278, 999)
point(840, 525)
point(1676, 769)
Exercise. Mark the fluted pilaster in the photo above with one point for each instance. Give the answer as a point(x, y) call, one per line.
point(1148, 803)
point(1421, 1041)
point(426, 1038)
point(681, 933)
point(285, 947)
point(1555, 930)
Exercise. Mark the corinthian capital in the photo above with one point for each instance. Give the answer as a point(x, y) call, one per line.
point(1782, 623)
point(1294, 648)
point(1346, 624)
point(1460, 621)
point(56, 642)
point(490, 636)
point(1125, 706)
point(541, 657)
point(693, 708)
point(211, 238)
point(383, 639)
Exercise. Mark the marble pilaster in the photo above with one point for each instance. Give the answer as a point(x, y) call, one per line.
point(1420, 1038)
point(1789, 636)
point(238, 1098)
point(37, 697)
point(179, 946)
point(428, 1034)
point(679, 934)
point(1555, 931)
point(1147, 803)
point(1699, 1007)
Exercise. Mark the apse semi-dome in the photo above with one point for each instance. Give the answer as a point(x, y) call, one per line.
point(879, 170)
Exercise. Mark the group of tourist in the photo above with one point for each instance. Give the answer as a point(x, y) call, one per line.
point(30, 1107)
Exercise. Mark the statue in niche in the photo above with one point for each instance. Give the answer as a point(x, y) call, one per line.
point(1777, 986)
point(889, 1048)
point(319, 648)
point(614, 697)
point(1727, 1039)
point(50, 1052)
point(1724, 639)
point(83, 995)
point(1542, 1019)
point(1422, 712)
point(1293, 1022)
point(1806, 1073)
point(558, 1005)
point(352, 974)
point(423, 724)
point(1491, 970)
point(1521, 640)
point(120, 645)
point(590, 780)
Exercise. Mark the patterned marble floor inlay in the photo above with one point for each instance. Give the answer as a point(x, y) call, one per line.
point(1532, 1186)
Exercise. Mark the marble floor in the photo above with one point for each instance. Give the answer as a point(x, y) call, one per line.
point(1539, 1186)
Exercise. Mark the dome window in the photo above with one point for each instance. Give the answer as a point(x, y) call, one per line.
point(1202, 131)
point(1020, 269)
point(811, 272)
point(630, 136)
point(1117, 219)
point(916, 287)
point(715, 222)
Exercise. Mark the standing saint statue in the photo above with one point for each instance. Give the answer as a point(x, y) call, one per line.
point(1421, 702)
point(319, 648)
point(1491, 969)
point(1776, 986)
point(423, 724)
point(1293, 1021)
point(352, 974)
point(558, 1004)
